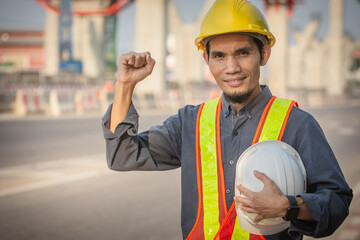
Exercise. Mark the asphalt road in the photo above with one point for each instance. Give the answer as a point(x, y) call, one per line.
point(55, 183)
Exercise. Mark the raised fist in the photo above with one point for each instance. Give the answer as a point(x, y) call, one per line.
point(134, 67)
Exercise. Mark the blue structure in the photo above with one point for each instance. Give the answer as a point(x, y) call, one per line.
point(67, 63)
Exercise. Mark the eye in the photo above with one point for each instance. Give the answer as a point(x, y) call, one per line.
point(218, 55)
point(243, 52)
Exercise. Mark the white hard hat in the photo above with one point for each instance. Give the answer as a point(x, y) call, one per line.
point(282, 164)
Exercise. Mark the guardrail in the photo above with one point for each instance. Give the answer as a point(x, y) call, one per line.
point(55, 101)
point(52, 101)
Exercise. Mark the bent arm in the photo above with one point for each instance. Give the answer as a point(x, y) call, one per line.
point(155, 149)
point(121, 104)
point(328, 195)
point(132, 68)
point(304, 211)
point(326, 202)
point(125, 148)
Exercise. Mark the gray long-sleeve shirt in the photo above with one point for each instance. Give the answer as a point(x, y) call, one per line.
point(172, 145)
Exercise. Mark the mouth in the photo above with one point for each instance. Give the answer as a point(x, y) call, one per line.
point(235, 81)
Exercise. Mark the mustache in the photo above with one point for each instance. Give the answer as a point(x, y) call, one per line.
point(236, 76)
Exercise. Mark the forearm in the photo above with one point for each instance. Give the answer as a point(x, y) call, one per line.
point(304, 212)
point(121, 104)
point(132, 68)
point(127, 149)
point(328, 209)
point(327, 194)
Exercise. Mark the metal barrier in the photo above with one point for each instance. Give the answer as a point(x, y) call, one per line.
point(52, 101)
point(58, 100)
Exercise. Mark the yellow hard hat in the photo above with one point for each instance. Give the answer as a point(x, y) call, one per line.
point(233, 16)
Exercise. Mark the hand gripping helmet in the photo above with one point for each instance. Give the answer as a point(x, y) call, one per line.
point(282, 164)
point(234, 16)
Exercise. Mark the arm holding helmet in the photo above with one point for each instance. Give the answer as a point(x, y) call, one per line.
point(270, 202)
point(328, 195)
point(326, 202)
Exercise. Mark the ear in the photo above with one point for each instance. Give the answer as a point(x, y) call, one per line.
point(266, 51)
point(206, 57)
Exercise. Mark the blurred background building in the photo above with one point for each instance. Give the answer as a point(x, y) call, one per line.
point(59, 56)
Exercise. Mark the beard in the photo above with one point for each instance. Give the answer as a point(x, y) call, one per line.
point(239, 97)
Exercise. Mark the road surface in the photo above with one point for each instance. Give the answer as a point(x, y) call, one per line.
point(55, 183)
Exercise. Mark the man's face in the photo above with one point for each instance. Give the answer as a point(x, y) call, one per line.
point(234, 60)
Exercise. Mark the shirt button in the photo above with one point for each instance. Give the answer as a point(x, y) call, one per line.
point(235, 133)
point(231, 162)
point(227, 191)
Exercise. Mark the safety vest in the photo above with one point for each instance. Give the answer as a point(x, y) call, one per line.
point(214, 221)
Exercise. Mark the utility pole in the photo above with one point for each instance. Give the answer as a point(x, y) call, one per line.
point(278, 12)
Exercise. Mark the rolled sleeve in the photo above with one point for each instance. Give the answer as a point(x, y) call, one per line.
point(129, 124)
point(328, 195)
point(126, 149)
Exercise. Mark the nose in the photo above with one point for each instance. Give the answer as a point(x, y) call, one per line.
point(232, 65)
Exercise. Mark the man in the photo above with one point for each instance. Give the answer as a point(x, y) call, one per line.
point(236, 42)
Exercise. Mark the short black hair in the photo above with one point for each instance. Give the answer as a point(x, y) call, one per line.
point(258, 43)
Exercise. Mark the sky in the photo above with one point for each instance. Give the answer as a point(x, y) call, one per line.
point(28, 15)
point(21, 15)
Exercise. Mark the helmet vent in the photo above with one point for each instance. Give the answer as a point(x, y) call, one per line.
point(239, 3)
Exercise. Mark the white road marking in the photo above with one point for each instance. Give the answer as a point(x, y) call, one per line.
point(333, 124)
point(356, 190)
point(28, 177)
point(48, 183)
point(347, 131)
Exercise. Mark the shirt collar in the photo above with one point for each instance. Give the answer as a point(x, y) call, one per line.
point(251, 108)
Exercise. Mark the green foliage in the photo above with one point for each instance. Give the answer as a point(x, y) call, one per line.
point(7, 64)
point(355, 65)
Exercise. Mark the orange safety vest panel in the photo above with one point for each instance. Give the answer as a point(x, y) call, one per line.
point(214, 221)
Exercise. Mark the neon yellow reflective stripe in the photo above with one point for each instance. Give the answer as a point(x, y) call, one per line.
point(275, 119)
point(209, 168)
point(238, 233)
